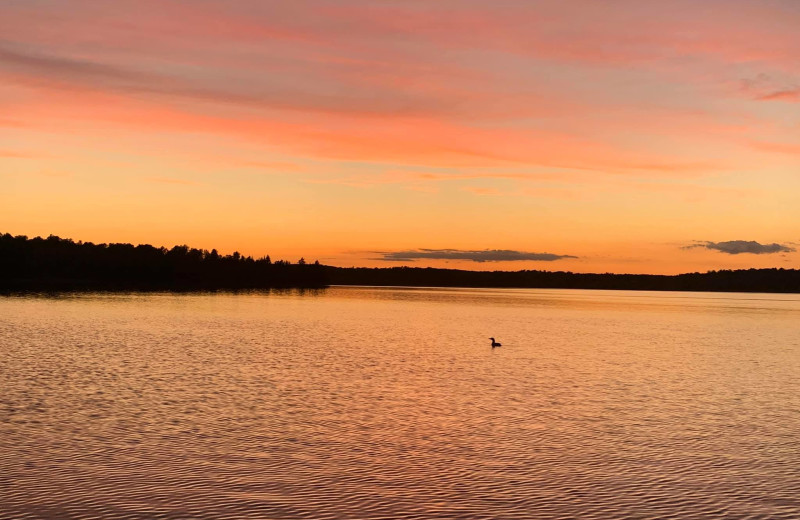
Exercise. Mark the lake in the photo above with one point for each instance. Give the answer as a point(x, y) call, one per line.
point(389, 403)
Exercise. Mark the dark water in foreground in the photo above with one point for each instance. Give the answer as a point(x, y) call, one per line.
point(367, 403)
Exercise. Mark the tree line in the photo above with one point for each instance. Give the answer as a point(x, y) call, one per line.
point(55, 263)
point(742, 280)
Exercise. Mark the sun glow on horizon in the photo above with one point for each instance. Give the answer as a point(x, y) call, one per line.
point(643, 138)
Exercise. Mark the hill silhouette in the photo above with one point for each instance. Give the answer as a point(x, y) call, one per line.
point(55, 263)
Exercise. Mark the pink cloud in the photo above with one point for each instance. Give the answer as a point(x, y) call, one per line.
point(783, 95)
point(410, 141)
point(449, 84)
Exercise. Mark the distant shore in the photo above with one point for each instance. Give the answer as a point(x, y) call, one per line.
point(743, 280)
point(57, 264)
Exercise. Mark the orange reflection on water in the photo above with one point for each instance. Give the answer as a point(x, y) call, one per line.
point(390, 403)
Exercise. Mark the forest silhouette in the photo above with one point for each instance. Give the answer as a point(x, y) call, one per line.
point(53, 264)
point(742, 280)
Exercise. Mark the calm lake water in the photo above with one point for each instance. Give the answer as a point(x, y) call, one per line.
point(368, 403)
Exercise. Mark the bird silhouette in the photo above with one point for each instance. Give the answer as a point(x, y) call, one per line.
point(495, 344)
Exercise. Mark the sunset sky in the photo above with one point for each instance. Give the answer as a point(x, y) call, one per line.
point(642, 136)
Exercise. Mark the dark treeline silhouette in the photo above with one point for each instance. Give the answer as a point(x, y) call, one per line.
point(55, 263)
point(744, 280)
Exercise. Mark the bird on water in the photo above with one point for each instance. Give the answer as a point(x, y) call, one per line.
point(495, 344)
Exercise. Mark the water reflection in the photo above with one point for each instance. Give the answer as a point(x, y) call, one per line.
point(389, 403)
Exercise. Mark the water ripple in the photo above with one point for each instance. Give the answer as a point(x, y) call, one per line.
point(373, 404)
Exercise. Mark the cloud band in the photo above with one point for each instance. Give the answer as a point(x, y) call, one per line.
point(487, 255)
point(736, 247)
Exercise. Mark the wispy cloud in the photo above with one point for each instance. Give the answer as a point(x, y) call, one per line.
point(792, 95)
point(765, 88)
point(486, 255)
point(364, 93)
point(736, 247)
point(244, 89)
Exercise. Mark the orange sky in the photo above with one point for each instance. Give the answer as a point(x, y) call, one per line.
point(627, 136)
